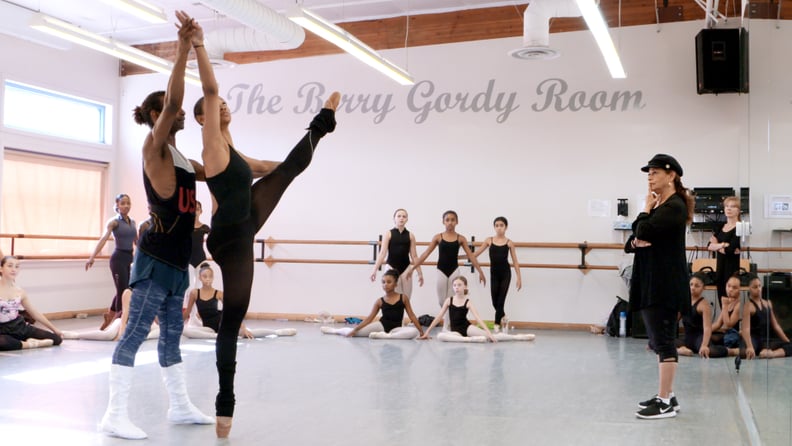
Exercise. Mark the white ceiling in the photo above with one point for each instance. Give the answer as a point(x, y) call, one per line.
point(98, 17)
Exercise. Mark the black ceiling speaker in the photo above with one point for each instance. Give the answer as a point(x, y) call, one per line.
point(722, 61)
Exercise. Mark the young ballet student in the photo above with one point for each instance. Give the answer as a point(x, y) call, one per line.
point(725, 328)
point(15, 333)
point(698, 325)
point(393, 305)
point(240, 211)
point(207, 299)
point(398, 245)
point(500, 248)
point(448, 243)
point(116, 328)
point(125, 235)
point(159, 272)
point(758, 323)
point(457, 306)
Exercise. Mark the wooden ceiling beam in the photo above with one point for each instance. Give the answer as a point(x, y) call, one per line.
point(468, 25)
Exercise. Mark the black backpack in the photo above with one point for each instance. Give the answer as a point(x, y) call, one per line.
point(612, 327)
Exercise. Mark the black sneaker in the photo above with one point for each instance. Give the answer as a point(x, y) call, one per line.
point(656, 410)
point(647, 403)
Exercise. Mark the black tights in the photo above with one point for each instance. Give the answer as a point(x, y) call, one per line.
point(231, 247)
point(120, 264)
point(499, 286)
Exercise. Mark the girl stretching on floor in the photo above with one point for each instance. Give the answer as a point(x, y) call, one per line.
point(15, 333)
point(116, 328)
point(393, 306)
point(757, 324)
point(462, 330)
point(206, 299)
point(698, 328)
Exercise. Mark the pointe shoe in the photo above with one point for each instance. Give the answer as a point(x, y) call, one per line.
point(286, 332)
point(223, 427)
point(378, 335)
point(328, 330)
point(66, 334)
point(38, 343)
point(524, 337)
point(476, 339)
point(333, 101)
point(108, 315)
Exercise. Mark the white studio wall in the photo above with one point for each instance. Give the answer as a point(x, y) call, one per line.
point(485, 135)
point(63, 285)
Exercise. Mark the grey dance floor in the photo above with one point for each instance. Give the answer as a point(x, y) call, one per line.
point(565, 388)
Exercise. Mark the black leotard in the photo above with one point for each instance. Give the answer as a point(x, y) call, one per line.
point(447, 253)
point(399, 250)
point(207, 309)
point(392, 315)
point(458, 317)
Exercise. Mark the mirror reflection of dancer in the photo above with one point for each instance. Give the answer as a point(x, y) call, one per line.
point(393, 305)
point(398, 245)
point(159, 273)
point(448, 243)
point(125, 235)
point(458, 306)
point(15, 333)
point(659, 287)
point(207, 299)
point(758, 322)
point(240, 212)
point(500, 248)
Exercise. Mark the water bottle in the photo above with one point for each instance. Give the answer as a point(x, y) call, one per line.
point(622, 324)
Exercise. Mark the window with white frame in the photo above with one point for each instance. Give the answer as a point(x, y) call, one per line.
point(52, 196)
point(37, 110)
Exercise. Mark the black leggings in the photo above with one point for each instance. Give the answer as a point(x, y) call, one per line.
point(120, 264)
point(693, 342)
point(499, 286)
point(661, 327)
point(12, 333)
point(231, 247)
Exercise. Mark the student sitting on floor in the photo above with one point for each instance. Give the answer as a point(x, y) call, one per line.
point(462, 330)
point(758, 319)
point(725, 329)
point(698, 325)
point(116, 328)
point(207, 299)
point(15, 333)
point(393, 306)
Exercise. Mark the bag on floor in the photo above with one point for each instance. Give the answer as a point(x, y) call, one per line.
point(612, 327)
point(425, 320)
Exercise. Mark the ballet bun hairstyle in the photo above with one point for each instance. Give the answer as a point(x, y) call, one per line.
point(393, 273)
point(503, 219)
point(153, 102)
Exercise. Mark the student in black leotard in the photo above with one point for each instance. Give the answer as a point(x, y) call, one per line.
point(241, 211)
point(393, 305)
point(207, 300)
point(448, 243)
point(398, 245)
point(698, 328)
point(462, 330)
point(725, 329)
point(500, 248)
point(726, 245)
point(758, 323)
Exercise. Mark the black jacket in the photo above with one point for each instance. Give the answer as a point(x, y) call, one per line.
point(660, 273)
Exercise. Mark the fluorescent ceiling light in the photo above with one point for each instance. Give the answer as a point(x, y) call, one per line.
point(140, 9)
point(106, 45)
point(348, 43)
point(598, 27)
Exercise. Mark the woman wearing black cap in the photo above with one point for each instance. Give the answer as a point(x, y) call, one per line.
point(659, 287)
